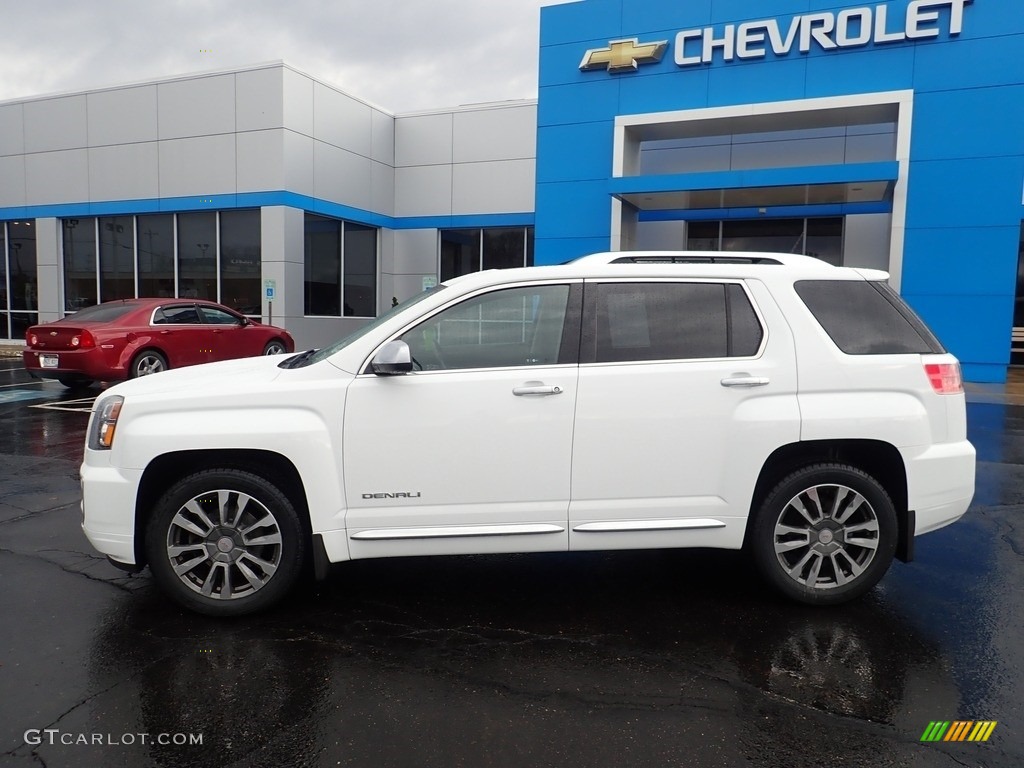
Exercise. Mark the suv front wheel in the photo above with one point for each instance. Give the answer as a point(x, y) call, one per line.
point(825, 534)
point(225, 542)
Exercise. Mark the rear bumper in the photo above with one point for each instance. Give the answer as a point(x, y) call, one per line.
point(72, 364)
point(940, 483)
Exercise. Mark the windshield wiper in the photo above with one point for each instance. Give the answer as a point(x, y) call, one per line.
point(297, 361)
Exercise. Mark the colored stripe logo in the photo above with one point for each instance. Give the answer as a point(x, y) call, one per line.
point(959, 730)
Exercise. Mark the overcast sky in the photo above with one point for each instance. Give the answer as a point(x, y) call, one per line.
point(403, 55)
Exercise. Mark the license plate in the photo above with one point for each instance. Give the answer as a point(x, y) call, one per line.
point(48, 361)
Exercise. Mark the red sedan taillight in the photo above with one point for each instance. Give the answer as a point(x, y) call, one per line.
point(83, 340)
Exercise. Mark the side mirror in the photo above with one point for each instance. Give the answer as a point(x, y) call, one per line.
point(393, 359)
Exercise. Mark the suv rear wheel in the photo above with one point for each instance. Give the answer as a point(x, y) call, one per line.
point(225, 542)
point(825, 534)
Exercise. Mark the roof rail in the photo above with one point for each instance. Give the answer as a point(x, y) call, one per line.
point(694, 259)
point(701, 257)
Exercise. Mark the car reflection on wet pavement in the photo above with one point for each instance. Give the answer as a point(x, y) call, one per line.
point(665, 658)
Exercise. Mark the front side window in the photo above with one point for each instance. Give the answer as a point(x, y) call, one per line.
point(635, 322)
point(508, 328)
point(212, 316)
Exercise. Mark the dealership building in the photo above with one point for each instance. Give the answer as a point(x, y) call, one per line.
point(885, 135)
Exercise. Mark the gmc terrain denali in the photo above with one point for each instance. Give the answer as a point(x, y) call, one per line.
point(624, 401)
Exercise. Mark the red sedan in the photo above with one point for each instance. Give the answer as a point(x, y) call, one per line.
point(135, 337)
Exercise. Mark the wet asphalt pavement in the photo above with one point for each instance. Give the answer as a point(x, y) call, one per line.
point(626, 659)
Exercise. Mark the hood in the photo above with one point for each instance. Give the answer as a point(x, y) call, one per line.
point(219, 377)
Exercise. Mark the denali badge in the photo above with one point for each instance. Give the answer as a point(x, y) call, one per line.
point(399, 495)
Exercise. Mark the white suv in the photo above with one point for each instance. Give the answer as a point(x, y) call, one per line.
point(623, 401)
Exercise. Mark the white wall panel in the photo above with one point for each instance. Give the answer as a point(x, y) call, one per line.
point(124, 172)
point(12, 180)
point(260, 165)
point(423, 140)
point(298, 101)
point(341, 120)
point(122, 116)
point(197, 107)
point(866, 239)
point(259, 99)
point(53, 124)
point(299, 174)
point(499, 187)
point(382, 186)
point(341, 176)
point(57, 177)
point(12, 129)
point(415, 253)
point(201, 166)
point(424, 190)
point(495, 134)
point(383, 138)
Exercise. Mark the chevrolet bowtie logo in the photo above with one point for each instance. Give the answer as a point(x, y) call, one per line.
point(623, 55)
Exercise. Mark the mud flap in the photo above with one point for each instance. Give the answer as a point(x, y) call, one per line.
point(907, 523)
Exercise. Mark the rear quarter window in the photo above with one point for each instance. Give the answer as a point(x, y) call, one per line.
point(866, 318)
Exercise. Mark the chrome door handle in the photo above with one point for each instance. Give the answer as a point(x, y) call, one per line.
point(744, 381)
point(536, 388)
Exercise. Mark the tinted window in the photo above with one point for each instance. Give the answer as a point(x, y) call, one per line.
point(866, 318)
point(515, 327)
point(212, 316)
point(177, 315)
point(670, 321)
point(103, 313)
point(745, 332)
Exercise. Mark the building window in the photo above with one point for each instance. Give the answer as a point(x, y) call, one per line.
point(241, 261)
point(155, 238)
point(207, 255)
point(469, 250)
point(197, 256)
point(117, 258)
point(821, 237)
point(18, 278)
point(80, 284)
point(341, 268)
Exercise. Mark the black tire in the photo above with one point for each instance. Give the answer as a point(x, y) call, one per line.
point(815, 558)
point(73, 383)
point(230, 572)
point(147, 362)
point(275, 347)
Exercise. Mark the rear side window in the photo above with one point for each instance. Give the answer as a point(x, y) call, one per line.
point(628, 322)
point(866, 318)
point(177, 315)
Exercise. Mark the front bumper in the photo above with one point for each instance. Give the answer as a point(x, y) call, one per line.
point(108, 510)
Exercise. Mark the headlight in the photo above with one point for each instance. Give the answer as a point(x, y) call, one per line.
point(104, 423)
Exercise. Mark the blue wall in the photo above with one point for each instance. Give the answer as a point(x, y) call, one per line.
point(967, 154)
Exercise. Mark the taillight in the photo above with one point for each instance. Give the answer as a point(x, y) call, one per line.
point(83, 340)
point(32, 339)
point(945, 378)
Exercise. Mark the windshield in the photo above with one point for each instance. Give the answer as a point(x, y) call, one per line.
point(323, 354)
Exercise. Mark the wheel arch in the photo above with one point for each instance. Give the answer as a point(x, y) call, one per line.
point(877, 458)
point(130, 354)
point(167, 469)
